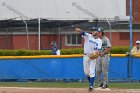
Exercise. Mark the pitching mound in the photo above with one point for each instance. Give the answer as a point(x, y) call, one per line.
point(63, 90)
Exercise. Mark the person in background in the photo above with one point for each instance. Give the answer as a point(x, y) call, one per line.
point(55, 50)
point(136, 49)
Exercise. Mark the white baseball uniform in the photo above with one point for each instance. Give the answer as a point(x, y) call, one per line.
point(90, 45)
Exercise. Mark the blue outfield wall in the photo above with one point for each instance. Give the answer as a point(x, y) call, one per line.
point(136, 68)
point(47, 68)
point(118, 68)
point(62, 68)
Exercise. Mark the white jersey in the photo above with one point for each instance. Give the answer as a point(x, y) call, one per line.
point(91, 44)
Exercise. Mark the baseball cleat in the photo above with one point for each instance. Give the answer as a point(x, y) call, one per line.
point(90, 89)
point(105, 86)
point(100, 85)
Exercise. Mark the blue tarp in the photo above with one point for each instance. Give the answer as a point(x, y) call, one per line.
point(118, 68)
point(136, 69)
point(62, 68)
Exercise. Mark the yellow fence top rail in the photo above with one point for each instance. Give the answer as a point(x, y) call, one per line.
point(41, 56)
point(57, 56)
point(118, 55)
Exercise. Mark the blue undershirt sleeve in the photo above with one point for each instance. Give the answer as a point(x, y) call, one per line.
point(83, 33)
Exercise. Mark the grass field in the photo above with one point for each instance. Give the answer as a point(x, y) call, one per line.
point(67, 85)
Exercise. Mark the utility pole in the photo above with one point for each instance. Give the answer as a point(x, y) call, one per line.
point(131, 44)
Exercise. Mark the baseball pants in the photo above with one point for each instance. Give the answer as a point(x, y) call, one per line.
point(102, 66)
point(89, 66)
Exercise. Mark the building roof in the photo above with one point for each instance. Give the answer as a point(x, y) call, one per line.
point(61, 9)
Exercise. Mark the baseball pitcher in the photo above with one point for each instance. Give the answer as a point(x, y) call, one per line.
point(92, 45)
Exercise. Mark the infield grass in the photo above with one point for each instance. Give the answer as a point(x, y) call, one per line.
point(67, 85)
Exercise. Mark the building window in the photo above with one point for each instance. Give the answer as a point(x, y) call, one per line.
point(73, 40)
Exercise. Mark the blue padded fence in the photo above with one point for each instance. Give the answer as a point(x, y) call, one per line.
point(118, 68)
point(47, 68)
point(136, 68)
point(62, 68)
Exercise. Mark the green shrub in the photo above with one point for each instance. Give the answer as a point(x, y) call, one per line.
point(72, 51)
point(24, 52)
point(114, 50)
point(120, 49)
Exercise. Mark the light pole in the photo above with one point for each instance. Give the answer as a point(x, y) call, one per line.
point(110, 33)
point(130, 57)
point(27, 33)
point(39, 33)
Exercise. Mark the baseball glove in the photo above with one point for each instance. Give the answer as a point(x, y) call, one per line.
point(94, 55)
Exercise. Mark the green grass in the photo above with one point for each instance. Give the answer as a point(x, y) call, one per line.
point(43, 84)
point(125, 85)
point(66, 85)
